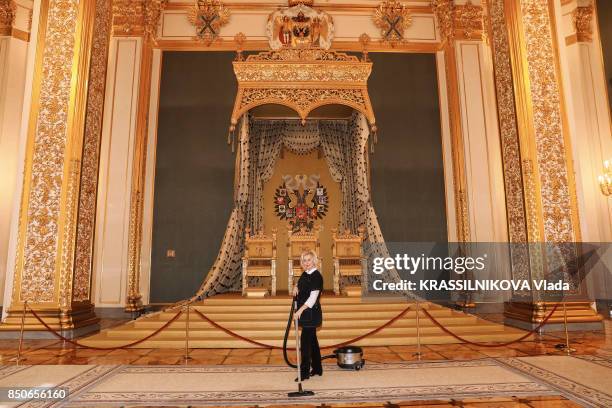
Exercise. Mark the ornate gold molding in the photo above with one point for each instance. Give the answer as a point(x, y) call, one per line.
point(468, 21)
point(137, 17)
point(302, 79)
point(582, 18)
point(508, 126)
point(464, 22)
point(7, 16)
point(443, 11)
point(546, 102)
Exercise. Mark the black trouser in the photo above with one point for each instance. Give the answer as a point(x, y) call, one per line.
point(310, 354)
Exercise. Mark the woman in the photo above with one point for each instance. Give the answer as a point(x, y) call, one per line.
point(309, 314)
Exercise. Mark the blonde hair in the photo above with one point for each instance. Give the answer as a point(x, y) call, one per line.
point(313, 255)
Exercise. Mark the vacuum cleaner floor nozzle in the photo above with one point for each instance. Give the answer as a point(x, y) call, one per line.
point(304, 393)
point(300, 392)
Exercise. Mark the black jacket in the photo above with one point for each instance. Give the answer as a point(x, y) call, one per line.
point(311, 317)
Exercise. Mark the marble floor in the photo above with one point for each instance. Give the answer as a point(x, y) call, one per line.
point(55, 352)
point(597, 343)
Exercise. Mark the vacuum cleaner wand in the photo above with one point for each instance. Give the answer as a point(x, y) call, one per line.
point(300, 392)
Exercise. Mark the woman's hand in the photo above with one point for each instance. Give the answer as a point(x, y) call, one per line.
point(295, 291)
point(299, 312)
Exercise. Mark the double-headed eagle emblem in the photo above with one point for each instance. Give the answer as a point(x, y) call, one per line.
point(208, 16)
point(392, 17)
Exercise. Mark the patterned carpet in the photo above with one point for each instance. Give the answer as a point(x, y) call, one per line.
point(587, 380)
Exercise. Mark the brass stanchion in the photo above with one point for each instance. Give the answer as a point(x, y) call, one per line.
point(18, 359)
point(418, 353)
point(567, 347)
point(187, 357)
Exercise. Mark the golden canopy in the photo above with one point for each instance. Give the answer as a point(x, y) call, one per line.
point(303, 80)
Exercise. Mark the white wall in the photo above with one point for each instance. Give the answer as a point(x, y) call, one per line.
point(116, 154)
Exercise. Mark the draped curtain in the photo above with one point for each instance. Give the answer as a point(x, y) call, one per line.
point(260, 142)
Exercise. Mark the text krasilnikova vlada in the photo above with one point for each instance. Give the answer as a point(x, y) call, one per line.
point(405, 263)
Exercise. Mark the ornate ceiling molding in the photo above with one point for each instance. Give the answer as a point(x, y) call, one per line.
point(458, 22)
point(137, 17)
point(302, 79)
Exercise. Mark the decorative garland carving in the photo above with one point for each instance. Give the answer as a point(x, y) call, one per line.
point(393, 18)
point(582, 18)
point(208, 16)
point(7, 16)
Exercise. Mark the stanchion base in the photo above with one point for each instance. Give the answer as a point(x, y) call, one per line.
point(563, 347)
point(18, 360)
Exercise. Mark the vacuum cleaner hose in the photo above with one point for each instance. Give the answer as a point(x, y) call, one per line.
point(287, 329)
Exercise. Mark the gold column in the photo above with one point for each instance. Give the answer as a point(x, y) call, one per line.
point(138, 18)
point(45, 260)
point(538, 168)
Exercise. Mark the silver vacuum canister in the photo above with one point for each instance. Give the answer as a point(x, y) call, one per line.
point(350, 357)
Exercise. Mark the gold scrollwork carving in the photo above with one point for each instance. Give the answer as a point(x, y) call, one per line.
point(91, 154)
point(582, 18)
point(468, 21)
point(458, 21)
point(7, 16)
point(302, 79)
point(443, 12)
point(511, 155)
point(392, 18)
point(547, 122)
point(135, 233)
point(137, 17)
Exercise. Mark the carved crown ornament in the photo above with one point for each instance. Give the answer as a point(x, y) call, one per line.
point(137, 17)
point(300, 72)
point(208, 16)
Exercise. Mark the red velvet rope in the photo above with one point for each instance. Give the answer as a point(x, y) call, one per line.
point(104, 348)
point(529, 333)
point(234, 334)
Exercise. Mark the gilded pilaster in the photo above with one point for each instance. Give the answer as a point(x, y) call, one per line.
point(538, 170)
point(91, 154)
point(138, 18)
point(44, 270)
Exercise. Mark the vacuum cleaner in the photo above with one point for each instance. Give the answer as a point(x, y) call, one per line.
point(347, 357)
